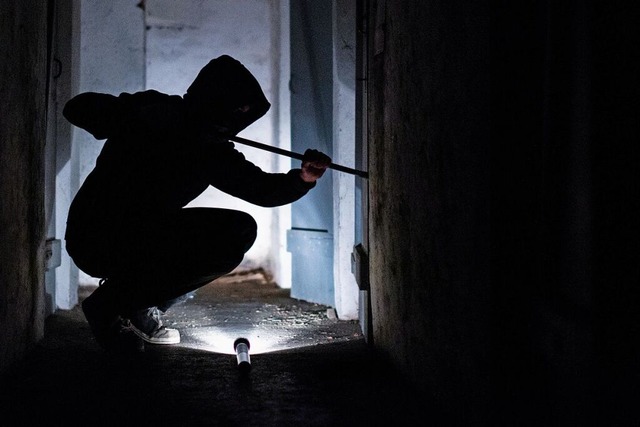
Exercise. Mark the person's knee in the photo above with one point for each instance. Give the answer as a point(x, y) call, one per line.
point(249, 229)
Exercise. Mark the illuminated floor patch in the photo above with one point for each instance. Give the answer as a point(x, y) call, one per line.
point(249, 306)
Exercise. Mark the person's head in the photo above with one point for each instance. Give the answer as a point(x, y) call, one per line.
point(226, 97)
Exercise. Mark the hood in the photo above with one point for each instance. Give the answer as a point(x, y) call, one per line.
point(226, 97)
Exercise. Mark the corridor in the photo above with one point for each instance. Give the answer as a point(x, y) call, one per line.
point(308, 368)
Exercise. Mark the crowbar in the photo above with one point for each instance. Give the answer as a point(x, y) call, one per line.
point(292, 154)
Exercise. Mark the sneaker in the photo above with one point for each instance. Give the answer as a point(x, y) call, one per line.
point(111, 331)
point(148, 326)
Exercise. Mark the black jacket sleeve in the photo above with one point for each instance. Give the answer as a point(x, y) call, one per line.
point(97, 113)
point(106, 116)
point(237, 176)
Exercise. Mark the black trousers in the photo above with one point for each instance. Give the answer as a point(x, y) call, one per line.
point(164, 258)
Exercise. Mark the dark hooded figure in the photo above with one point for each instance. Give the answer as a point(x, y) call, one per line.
point(128, 224)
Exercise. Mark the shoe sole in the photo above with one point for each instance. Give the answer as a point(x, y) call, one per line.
point(158, 341)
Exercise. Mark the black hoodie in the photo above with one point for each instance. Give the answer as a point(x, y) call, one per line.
point(162, 152)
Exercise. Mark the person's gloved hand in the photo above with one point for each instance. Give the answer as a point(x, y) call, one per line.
point(314, 164)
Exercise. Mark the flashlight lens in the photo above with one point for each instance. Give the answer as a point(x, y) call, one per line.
point(241, 345)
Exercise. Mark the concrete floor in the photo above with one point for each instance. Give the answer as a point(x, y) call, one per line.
point(308, 368)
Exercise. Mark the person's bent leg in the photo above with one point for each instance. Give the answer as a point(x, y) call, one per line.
point(164, 260)
point(103, 307)
point(188, 251)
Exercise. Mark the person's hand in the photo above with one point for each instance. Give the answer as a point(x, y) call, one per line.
point(314, 164)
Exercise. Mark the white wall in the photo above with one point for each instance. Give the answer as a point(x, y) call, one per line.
point(281, 108)
point(344, 66)
point(60, 294)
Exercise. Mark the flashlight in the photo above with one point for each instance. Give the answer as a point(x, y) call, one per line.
point(241, 346)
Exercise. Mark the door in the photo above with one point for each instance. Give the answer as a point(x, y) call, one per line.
point(310, 239)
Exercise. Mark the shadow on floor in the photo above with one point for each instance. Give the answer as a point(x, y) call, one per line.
point(321, 373)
